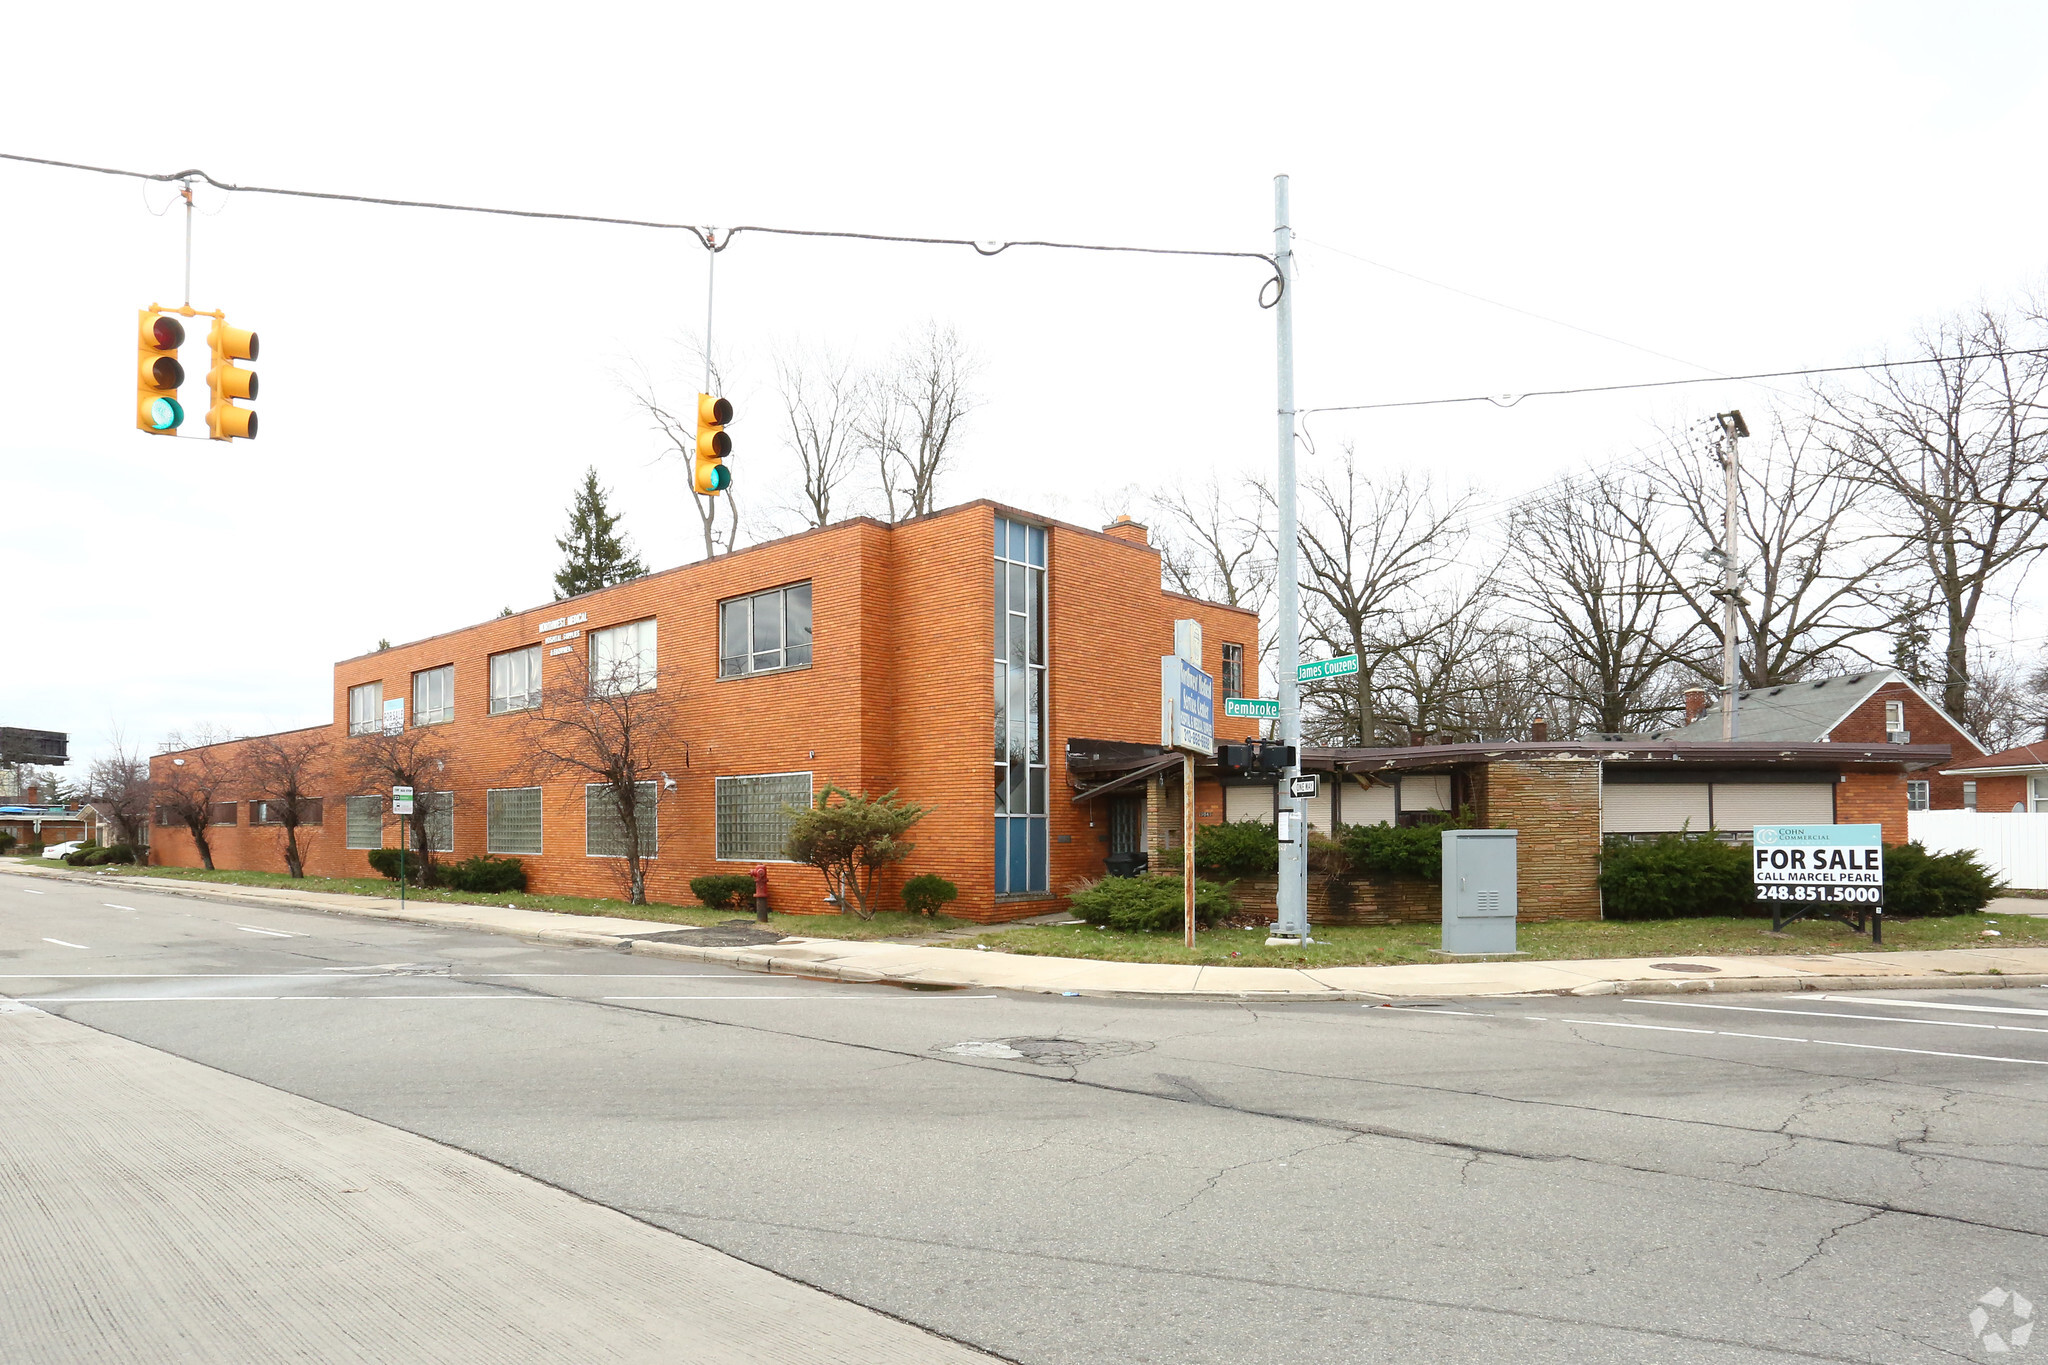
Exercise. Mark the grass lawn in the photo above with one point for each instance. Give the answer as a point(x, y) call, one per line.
point(885, 924)
point(1383, 945)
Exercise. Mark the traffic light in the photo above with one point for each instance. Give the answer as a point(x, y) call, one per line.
point(713, 445)
point(158, 373)
point(228, 381)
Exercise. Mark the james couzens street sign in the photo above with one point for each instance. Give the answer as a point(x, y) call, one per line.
point(1343, 667)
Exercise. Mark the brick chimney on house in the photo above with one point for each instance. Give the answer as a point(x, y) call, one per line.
point(1123, 528)
point(32, 795)
point(1697, 699)
point(1539, 729)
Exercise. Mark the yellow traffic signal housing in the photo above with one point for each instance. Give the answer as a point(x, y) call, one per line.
point(158, 373)
point(228, 381)
point(713, 445)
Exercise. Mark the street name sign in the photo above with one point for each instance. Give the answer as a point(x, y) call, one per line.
point(1187, 706)
point(401, 800)
point(1254, 708)
point(1326, 668)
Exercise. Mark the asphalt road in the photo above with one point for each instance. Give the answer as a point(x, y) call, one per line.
point(1755, 1177)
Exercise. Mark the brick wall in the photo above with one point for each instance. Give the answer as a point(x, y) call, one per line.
point(1998, 795)
point(1554, 805)
point(1873, 799)
point(1927, 725)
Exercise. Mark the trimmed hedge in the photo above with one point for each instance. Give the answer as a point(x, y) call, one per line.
point(1675, 876)
point(924, 894)
point(385, 860)
point(77, 856)
point(1402, 851)
point(1148, 903)
point(724, 890)
point(1918, 883)
point(1237, 848)
point(481, 873)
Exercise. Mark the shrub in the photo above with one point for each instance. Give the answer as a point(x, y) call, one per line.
point(481, 873)
point(1147, 903)
point(1675, 876)
point(6, 841)
point(112, 853)
point(77, 856)
point(724, 890)
point(1403, 851)
point(849, 840)
point(1237, 848)
point(385, 860)
point(1917, 882)
point(923, 895)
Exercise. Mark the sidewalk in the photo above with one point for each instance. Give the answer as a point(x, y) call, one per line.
point(913, 965)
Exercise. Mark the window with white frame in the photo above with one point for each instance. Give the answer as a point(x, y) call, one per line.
point(515, 680)
point(622, 657)
point(433, 695)
point(765, 632)
point(1916, 796)
point(1894, 717)
point(1231, 683)
point(604, 827)
point(366, 709)
point(1021, 813)
point(1969, 796)
point(2039, 785)
point(437, 817)
point(753, 825)
point(365, 822)
point(512, 820)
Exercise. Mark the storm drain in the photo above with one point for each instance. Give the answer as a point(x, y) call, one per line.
point(1047, 1051)
point(1683, 967)
point(731, 934)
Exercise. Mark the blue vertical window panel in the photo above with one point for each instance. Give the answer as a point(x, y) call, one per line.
point(1002, 855)
point(1039, 878)
point(1002, 527)
point(1020, 853)
point(1038, 546)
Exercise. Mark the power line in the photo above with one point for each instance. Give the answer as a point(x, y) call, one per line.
point(711, 239)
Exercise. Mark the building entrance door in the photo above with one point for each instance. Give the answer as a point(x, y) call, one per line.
point(1127, 825)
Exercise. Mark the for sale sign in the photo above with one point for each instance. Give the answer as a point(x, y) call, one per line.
point(1827, 863)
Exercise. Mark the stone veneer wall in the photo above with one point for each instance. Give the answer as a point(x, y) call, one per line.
point(1554, 805)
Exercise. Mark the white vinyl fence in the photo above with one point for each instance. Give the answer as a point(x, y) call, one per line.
point(2013, 846)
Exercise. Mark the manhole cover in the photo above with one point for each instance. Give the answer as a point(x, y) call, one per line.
point(1683, 967)
point(1046, 1051)
point(720, 936)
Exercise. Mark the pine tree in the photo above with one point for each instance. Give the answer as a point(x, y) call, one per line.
point(593, 555)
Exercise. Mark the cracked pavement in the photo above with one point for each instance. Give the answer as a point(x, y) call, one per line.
point(1535, 1179)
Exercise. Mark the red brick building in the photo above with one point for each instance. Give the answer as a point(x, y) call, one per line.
point(2002, 783)
point(861, 654)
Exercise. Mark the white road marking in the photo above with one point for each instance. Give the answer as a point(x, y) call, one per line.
point(27, 892)
point(111, 906)
point(274, 933)
point(1427, 1009)
point(841, 999)
point(62, 944)
point(1933, 1005)
point(556, 999)
point(1819, 1042)
point(1829, 1014)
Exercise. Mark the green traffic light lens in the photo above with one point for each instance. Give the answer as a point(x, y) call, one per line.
point(165, 414)
point(721, 478)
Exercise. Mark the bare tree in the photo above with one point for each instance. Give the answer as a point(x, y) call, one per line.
point(417, 758)
point(1955, 450)
point(288, 770)
point(677, 426)
point(192, 784)
point(912, 418)
point(1212, 547)
point(604, 726)
point(118, 783)
point(822, 403)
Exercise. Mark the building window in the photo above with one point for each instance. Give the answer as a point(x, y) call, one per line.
point(515, 680)
point(1020, 757)
point(1232, 680)
point(604, 828)
point(765, 633)
point(365, 822)
point(512, 820)
point(221, 813)
point(2040, 789)
point(366, 709)
point(1916, 796)
point(436, 814)
point(622, 657)
point(752, 824)
point(433, 695)
point(1969, 796)
point(272, 812)
point(1894, 717)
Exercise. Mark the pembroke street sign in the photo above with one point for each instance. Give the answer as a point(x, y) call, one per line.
point(1253, 708)
point(1326, 668)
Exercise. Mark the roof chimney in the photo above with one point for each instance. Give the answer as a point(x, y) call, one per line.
point(1123, 528)
point(32, 795)
point(1696, 702)
point(1539, 729)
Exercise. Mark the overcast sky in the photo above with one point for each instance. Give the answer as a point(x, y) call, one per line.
point(1741, 187)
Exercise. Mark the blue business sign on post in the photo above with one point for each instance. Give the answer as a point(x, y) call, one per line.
point(1187, 706)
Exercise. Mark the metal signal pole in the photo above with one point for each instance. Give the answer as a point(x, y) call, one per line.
point(1732, 429)
point(1292, 898)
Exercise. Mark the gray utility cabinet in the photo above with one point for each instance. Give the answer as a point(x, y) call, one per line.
point(1479, 890)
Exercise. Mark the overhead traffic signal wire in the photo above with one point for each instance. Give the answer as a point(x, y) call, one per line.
point(710, 239)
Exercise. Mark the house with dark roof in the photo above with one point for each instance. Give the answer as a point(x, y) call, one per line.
point(2014, 779)
point(1875, 706)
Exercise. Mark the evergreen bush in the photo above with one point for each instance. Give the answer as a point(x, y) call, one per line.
point(481, 873)
point(385, 860)
point(1147, 903)
point(1402, 851)
point(1675, 876)
point(1237, 848)
point(1918, 883)
point(923, 895)
point(77, 856)
point(112, 853)
point(724, 890)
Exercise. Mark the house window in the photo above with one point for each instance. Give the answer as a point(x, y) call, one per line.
point(622, 657)
point(2040, 789)
point(1969, 796)
point(365, 822)
point(366, 709)
point(1233, 671)
point(1894, 717)
point(436, 815)
point(766, 632)
point(604, 828)
point(752, 826)
point(433, 695)
point(515, 680)
point(512, 820)
point(1020, 768)
point(1916, 796)
point(221, 813)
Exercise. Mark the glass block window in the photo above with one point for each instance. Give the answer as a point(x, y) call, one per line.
point(366, 709)
point(365, 822)
point(515, 680)
point(766, 632)
point(1232, 681)
point(512, 820)
point(604, 828)
point(1020, 757)
point(433, 695)
point(752, 825)
point(436, 814)
point(622, 657)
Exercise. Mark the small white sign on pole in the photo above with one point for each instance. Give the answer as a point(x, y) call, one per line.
point(401, 800)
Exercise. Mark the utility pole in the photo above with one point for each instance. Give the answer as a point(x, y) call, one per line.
point(1291, 899)
point(1732, 429)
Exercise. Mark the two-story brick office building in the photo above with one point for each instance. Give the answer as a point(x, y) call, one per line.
point(948, 658)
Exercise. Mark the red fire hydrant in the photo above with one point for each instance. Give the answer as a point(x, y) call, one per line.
point(761, 893)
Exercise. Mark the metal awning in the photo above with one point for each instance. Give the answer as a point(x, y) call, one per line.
point(1161, 764)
